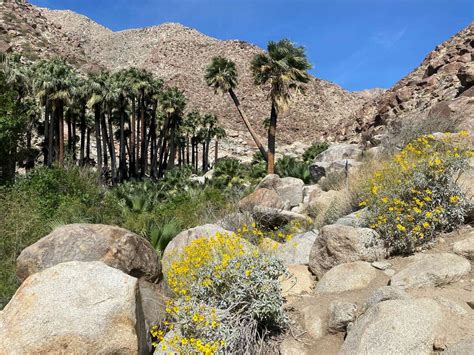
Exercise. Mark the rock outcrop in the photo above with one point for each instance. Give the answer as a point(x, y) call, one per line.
point(114, 246)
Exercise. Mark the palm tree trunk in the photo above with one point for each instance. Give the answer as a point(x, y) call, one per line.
point(204, 156)
point(98, 141)
point(61, 131)
point(154, 147)
point(272, 140)
point(83, 133)
point(52, 124)
point(88, 144)
point(133, 170)
point(162, 144)
point(46, 133)
point(172, 145)
point(122, 160)
point(73, 143)
point(142, 133)
point(216, 151)
point(193, 154)
point(69, 133)
point(187, 150)
point(137, 146)
point(254, 135)
point(113, 163)
point(105, 139)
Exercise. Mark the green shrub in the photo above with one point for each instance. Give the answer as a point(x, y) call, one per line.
point(313, 151)
point(38, 202)
point(415, 196)
point(160, 235)
point(229, 173)
point(291, 167)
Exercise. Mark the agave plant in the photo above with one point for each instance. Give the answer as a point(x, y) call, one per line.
point(160, 235)
point(290, 166)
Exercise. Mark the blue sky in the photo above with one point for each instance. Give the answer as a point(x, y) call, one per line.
point(358, 44)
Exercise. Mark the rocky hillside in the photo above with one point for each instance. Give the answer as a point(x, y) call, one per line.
point(179, 55)
point(438, 87)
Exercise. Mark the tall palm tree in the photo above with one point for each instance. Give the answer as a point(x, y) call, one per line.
point(172, 103)
point(221, 75)
point(284, 67)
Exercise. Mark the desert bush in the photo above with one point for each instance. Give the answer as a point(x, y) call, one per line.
point(313, 151)
point(292, 167)
point(228, 294)
point(414, 196)
point(160, 235)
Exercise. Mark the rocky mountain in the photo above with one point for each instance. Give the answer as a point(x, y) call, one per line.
point(179, 55)
point(440, 87)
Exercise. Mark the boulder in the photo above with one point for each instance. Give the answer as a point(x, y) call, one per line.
point(273, 217)
point(298, 281)
point(465, 247)
point(289, 189)
point(297, 250)
point(340, 315)
point(116, 247)
point(153, 306)
point(355, 219)
point(321, 201)
point(347, 277)
point(335, 160)
point(385, 293)
point(338, 244)
point(174, 248)
point(74, 307)
point(311, 192)
point(431, 270)
point(451, 306)
point(339, 152)
point(395, 327)
point(261, 197)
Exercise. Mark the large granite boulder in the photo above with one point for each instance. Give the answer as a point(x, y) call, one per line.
point(74, 308)
point(395, 327)
point(114, 246)
point(261, 197)
point(176, 246)
point(337, 159)
point(347, 277)
point(289, 189)
point(338, 244)
point(431, 270)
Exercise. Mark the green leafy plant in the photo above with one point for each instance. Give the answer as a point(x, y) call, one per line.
point(290, 166)
point(313, 151)
point(161, 235)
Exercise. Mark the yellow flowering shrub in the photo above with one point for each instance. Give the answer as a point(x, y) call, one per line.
point(415, 195)
point(227, 292)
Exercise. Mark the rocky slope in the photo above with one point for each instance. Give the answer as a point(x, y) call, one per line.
point(179, 55)
point(437, 88)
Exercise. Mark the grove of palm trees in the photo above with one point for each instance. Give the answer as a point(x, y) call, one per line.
point(166, 192)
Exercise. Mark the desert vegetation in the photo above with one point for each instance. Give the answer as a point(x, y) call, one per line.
point(112, 171)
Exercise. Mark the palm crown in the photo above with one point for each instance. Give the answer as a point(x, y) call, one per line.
point(285, 67)
point(221, 74)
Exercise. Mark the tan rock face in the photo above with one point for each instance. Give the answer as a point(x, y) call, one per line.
point(75, 308)
point(116, 247)
point(443, 76)
point(347, 277)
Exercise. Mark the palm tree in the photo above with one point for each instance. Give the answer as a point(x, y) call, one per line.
point(284, 67)
point(172, 103)
point(96, 87)
point(221, 75)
